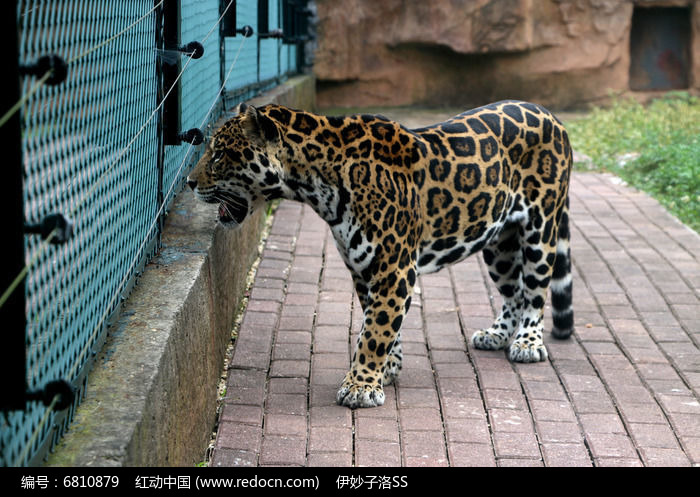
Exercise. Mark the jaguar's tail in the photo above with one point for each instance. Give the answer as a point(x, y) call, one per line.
point(561, 283)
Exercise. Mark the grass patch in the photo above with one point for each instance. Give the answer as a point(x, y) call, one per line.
point(654, 147)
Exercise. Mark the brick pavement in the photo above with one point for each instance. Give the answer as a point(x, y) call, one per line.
point(623, 391)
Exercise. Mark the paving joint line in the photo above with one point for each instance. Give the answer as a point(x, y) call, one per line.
point(641, 265)
point(634, 199)
point(441, 409)
point(613, 397)
point(491, 290)
point(273, 341)
point(314, 323)
point(623, 348)
point(617, 279)
point(235, 328)
point(486, 279)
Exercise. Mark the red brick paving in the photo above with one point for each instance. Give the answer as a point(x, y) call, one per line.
point(623, 391)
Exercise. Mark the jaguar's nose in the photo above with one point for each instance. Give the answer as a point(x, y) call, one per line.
point(192, 183)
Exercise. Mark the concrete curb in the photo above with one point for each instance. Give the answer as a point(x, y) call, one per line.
point(151, 397)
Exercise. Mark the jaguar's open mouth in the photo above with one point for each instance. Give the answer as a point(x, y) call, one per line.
point(233, 211)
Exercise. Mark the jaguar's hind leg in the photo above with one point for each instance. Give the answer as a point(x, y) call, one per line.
point(504, 261)
point(539, 254)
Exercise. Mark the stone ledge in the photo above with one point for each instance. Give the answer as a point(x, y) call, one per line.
point(151, 397)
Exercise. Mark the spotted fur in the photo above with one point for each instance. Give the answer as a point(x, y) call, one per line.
point(403, 202)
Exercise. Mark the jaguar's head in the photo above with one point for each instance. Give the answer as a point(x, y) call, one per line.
point(240, 169)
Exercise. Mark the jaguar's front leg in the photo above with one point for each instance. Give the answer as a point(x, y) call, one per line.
point(376, 359)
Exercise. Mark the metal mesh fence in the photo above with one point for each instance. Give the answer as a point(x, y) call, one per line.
point(93, 150)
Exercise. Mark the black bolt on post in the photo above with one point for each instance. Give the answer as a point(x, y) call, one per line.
point(246, 31)
point(193, 48)
point(61, 390)
point(193, 136)
point(57, 226)
point(13, 367)
point(46, 63)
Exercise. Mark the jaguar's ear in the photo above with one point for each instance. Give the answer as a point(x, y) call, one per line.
point(257, 126)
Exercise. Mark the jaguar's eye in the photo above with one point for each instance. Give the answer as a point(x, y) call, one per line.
point(218, 155)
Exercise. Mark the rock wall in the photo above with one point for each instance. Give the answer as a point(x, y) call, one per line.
point(561, 53)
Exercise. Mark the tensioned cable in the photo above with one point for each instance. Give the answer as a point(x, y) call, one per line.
point(40, 82)
point(50, 237)
point(114, 37)
point(153, 223)
point(104, 316)
point(99, 180)
point(206, 37)
point(42, 247)
point(46, 242)
point(15, 283)
point(35, 433)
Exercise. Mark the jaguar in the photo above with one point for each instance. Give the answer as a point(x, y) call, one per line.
point(404, 202)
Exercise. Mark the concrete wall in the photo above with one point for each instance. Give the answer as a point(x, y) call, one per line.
point(151, 398)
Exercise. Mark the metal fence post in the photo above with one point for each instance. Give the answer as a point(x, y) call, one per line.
point(12, 313)
point(170, 70)
point(160, 95)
